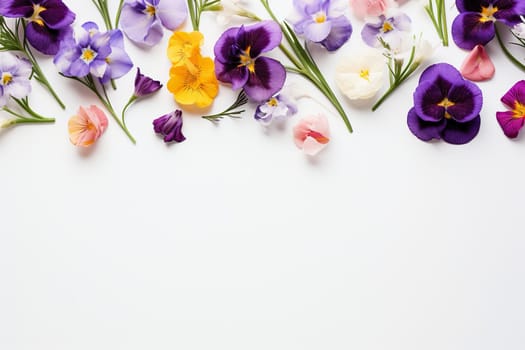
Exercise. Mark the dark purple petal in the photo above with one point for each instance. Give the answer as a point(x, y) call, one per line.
point(515, 94)
point(427, 97)
point(424, 130)
point(510, 125)
point(339, 35)
point(461, 133)
point(509, 11)
point(445, 71)
point(226, 48)
point(468, 31)
point(268, 79)
point(44, 39)
point(145, 85)
point(170, 126)
point(260, 37)
point(231, 74)
point(470, 5)
point(467, 99)
point(56, 14)
point(16, 8)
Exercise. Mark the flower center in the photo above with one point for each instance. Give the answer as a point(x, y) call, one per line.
point(487, 13)
point(88, 55)
point(519, 110)
point(273, 102)
point(320, 17)
point(6, 78)
point(446, 103)
point(364, 73)
point(247, 60)
point(35, 17)
point(387, 26)
point(150, 10)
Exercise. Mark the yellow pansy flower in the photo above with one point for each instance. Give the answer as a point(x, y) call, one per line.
point(184, 45)
point(194, 83)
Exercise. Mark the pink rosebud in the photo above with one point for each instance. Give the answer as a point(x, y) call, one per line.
point(478, 66)
point(369, 8)
point(312, 134)
point(87, 126)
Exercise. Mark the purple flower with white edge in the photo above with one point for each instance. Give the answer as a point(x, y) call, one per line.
point(238, 61)
point(383, 27)
point(14, 77)
point(475, 23)
point(142, 20)
point(322, 21)
point(48, 21)
point(88, 55)
point(170, 126)
point(277, 108)
point(446, 106)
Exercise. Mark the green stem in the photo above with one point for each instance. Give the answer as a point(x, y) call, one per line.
point(105, 100)
point(23, 119)
point(119, 11)
point(130, 101)
point(507, 52)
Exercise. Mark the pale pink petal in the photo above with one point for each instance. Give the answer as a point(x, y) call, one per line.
point(478, 66)
point(312, 134)
point(369, 8)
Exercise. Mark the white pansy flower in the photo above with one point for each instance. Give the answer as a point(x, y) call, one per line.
point(361, 75)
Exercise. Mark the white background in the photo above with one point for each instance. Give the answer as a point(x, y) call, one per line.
point(236, 240)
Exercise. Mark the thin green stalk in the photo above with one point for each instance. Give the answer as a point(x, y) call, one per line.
point(507, 52)
point(130, 101)
point(119, 11)
point(24, 119)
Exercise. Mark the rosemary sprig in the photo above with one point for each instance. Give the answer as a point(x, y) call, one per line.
point(233, 111)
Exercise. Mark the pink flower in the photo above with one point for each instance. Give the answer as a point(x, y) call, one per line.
point(369, 8)
point(87, 126)
point(312, 134)
point(477, 66)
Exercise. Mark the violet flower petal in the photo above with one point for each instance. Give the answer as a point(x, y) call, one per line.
point(467, 99)
point(510, 125)
point(267, 80)
point(339, 35)
point(172, 13)
point(170, 126)
point(515, 94)
point(468, 31)
point(461, 133)
point(145, 85)
point(260, 37)
point(424, 130)
point(139, 26)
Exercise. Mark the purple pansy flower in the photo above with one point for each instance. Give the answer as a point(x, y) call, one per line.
point(475, 23)
point(322, 21)
point(14, 77)
point(87, 56)
point(49, 21)
point(384, 27)
point(446, 106)
point(512, 121)
point(238, 60)
point(277, 108)
point(142, 20)
point(145, 85)
point(170, 126)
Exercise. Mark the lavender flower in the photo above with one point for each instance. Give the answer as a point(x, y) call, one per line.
point(238, 61)
point(87, 56)
point(276, 108)
point(14, 77)
point(170, 126)
point(49, 21)
point(446, 106)
point(119, 62)
point(475, 23)
point(322, 21)
point(142, 20)
point(384, 27)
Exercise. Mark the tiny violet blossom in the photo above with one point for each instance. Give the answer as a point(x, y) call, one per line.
point(370, 8)
point(238, 59)
point(361, 75)
point(88, 55)
point(142, 20)
point(475, 23)
point(312, 134)
point(446, 106)
point(48, 24)
point(170, 126)
point(86, 127)
point(322, 21)
point(512, 121)
point(383, 27)
point(275, 109)
point(144, 86)
point(478, 66)
point(14, 77)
